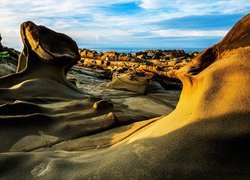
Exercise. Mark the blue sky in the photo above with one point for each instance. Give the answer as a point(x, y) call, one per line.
point(126, 23)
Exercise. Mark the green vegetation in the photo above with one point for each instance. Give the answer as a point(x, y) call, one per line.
point(4, 54)
point(74, 72)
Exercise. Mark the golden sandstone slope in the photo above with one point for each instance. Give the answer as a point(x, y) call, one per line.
point(216, 82)
point(206, 136)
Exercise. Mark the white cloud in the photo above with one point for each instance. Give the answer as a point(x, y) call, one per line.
point(189, 33)
point(102, 25)
point(198, 6)
point(153, 4)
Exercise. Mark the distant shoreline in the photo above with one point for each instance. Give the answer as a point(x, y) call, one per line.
point(138, 49)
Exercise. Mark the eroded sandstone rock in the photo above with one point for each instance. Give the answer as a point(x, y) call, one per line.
point(49, 109)
point(206, 136)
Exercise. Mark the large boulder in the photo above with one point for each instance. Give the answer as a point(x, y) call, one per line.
point(130, 82)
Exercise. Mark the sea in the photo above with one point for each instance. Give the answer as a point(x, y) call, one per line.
point(137, 49)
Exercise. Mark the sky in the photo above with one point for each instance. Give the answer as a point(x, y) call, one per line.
point(161, 24)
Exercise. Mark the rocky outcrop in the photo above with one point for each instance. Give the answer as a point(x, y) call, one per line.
point(6, 68)
point(159, 70)
point(160, 63)
point(8, 60)
point(9, 53)
point(130, 82)
point(39, 97)
point(142, 55)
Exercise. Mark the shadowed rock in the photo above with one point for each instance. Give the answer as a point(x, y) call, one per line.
point(8, 60)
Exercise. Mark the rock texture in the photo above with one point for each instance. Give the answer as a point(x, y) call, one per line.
point(51, 109)
point(206, 136)
point(160, 64)
point(130, 82)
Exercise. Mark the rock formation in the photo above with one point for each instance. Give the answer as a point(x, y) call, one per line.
point(130, 82)
point(141, 55)
point(161, 64)
point(39, 96)
point(206, 136)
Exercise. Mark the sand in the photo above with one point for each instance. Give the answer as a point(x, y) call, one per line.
point(206, 136)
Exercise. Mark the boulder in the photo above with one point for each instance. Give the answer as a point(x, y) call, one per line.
point(130, 82)
point(6, 69)
point(111, 56)
point(124, 57)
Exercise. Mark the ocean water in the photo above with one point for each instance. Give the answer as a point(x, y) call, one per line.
point(137, 49)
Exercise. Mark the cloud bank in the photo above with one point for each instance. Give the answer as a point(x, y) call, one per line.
point(132, 23)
